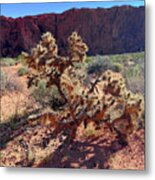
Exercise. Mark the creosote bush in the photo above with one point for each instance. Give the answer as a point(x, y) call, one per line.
point(105, 99)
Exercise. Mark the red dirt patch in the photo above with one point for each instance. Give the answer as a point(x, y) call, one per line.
point(15, 101)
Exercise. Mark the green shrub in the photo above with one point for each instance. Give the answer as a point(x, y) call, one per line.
point(134, 76)
point(47, 96)
point(100, 64)
point(8, 61)
point(88, 59)
point(134, 71)
point(117, 67)
point(20, 59)
point(22, 71)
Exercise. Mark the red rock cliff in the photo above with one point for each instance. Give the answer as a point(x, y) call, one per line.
point(106, 31)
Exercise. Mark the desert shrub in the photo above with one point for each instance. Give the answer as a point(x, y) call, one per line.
point(134, 76)
point(117, 67)
point(136, 85)
point(134, 71)
point(56, 100)
point(47, 96)
point(22, 71)
point(40, 93)
point(19, 58)
point(9, 83)
point(121, 58)
point(8, 61)
point(101, 64)
point(88, 59)
point(130, 65)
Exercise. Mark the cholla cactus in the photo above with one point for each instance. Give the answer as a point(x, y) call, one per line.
point(105, 99)
point(40, 59)
point(44, 62)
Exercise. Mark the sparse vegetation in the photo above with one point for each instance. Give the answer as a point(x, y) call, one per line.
point(99, 64)
point(99, 94)
point(47, 97)
point(8, 61)
point(22, 71)
point(131, 65)
point(8, 83)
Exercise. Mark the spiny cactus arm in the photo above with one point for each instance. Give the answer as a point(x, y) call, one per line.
point(77, 48)
point(46, 47)
point(115, 103)
point(29, 61)
point(42, 59)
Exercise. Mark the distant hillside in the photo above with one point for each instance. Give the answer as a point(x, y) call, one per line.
point(106, 31)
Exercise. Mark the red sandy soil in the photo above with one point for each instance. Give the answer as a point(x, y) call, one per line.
point(15, 101)
point(35, 146)
point(100, 151)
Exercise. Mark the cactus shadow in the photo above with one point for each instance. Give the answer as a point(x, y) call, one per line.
point(90, 154)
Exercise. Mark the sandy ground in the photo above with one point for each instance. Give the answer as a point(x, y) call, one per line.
point(35, 146)
point(15, 102)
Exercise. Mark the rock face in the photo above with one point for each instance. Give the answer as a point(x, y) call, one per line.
point(105, 31)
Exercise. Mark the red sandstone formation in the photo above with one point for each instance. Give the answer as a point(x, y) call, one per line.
point(106, 31)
